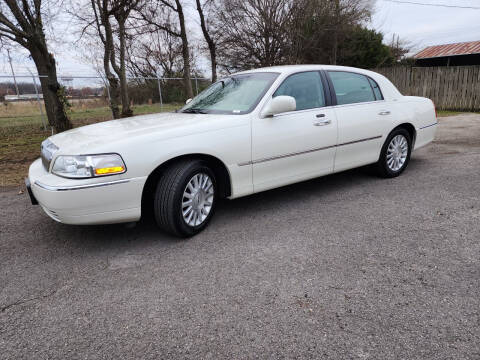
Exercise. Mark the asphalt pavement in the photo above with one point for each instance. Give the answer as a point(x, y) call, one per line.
point(349, 266)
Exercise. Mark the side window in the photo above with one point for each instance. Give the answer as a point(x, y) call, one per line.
point(351, 88)
point(376, 89)
point(306, 88)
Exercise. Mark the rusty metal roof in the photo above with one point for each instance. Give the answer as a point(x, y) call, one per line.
point(465, 48)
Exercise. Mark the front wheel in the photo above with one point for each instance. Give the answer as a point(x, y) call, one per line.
point(185, 198)
point(395, 154)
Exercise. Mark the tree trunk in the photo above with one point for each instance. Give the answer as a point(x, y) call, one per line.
point(185, 52)
point(51, 89)
point(335, 33)
point(113, 86)
point(335, 48)
point(213, 59)
point(112, 80)
point(209, 40)
point(126, 110)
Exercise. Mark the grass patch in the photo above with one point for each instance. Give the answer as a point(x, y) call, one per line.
point(22, 132)
point(443, 113)
point(17, 114)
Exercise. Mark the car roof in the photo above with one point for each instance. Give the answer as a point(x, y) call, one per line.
point(296, 68)
point(388, 89)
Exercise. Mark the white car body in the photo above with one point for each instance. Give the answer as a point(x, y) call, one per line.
point(258, 152)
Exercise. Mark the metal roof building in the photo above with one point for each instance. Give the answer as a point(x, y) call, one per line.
point(466, 53)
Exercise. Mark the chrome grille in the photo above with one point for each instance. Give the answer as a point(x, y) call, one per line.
point(47, 150)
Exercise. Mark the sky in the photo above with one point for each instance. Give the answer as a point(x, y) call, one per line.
point(423, 25)
point(419, 25)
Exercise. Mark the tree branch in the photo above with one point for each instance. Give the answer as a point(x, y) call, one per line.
point(17, 13)
point(167, 4)
point(158, 26)
point(14, 39)
point(13, 29)
point(26, 10)
point(97, 21)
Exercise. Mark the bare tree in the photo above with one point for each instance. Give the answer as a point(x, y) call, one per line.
point(399, 47)
point(254, 33)
point(104, 11)
point(155, 53)
point(207, 34)
point(158, 14)
point(23, 23)
point(121, 10)
point(105, 32)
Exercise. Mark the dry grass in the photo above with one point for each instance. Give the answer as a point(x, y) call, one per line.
point(21, 133)
point(443, 113)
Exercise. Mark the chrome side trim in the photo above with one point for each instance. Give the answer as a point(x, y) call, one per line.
point(290, 155)
point(305, 152)
point(428, 126)
point(79, 187)
point(362, 140)
point(359, 103)
point(245, 163)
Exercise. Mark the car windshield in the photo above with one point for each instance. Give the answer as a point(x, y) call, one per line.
point(236, 94)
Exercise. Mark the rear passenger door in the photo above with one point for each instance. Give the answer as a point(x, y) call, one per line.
point(360, 110)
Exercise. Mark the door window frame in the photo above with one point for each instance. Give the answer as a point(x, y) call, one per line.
point(333, 93)
point(325, 86)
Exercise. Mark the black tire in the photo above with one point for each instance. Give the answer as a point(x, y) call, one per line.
point(382, 168)
point(169, 195)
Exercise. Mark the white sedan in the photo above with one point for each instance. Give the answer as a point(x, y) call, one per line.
point(249, 132)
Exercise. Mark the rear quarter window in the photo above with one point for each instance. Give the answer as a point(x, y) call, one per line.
point(376, 89)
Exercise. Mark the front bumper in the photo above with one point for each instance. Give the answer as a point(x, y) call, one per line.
point(112, 199)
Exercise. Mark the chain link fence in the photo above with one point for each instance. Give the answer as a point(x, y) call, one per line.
point(88, 98)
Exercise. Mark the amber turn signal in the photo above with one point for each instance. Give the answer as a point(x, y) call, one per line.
point(109, 170)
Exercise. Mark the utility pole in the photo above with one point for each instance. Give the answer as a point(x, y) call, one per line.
point(335, 34)
point(38, 100)
point(13, 73)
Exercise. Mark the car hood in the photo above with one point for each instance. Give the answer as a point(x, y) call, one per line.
point(162, 125)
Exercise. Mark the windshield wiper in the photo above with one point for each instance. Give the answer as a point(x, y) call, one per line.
point(194, 111)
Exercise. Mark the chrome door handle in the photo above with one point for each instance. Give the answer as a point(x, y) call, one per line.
point(322, 122)
point(385, 112)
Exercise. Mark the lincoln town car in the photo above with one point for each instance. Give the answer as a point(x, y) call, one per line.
point(248, 132)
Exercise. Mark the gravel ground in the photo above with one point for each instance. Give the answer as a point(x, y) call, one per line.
point(344, 267)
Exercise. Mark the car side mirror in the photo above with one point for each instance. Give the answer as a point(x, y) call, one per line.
point(280, 104)
point(188, 100)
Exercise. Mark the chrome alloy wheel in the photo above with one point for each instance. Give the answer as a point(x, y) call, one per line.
point(397, 153)
point(197, 199)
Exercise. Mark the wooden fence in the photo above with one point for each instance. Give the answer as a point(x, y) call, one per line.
point(450, 88)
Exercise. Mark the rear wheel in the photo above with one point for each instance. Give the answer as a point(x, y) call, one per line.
point(395, 154)
point(185, 198)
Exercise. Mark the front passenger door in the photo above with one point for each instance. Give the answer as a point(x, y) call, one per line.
point(296, 145)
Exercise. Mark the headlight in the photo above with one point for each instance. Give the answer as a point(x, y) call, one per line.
point(86, 166)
